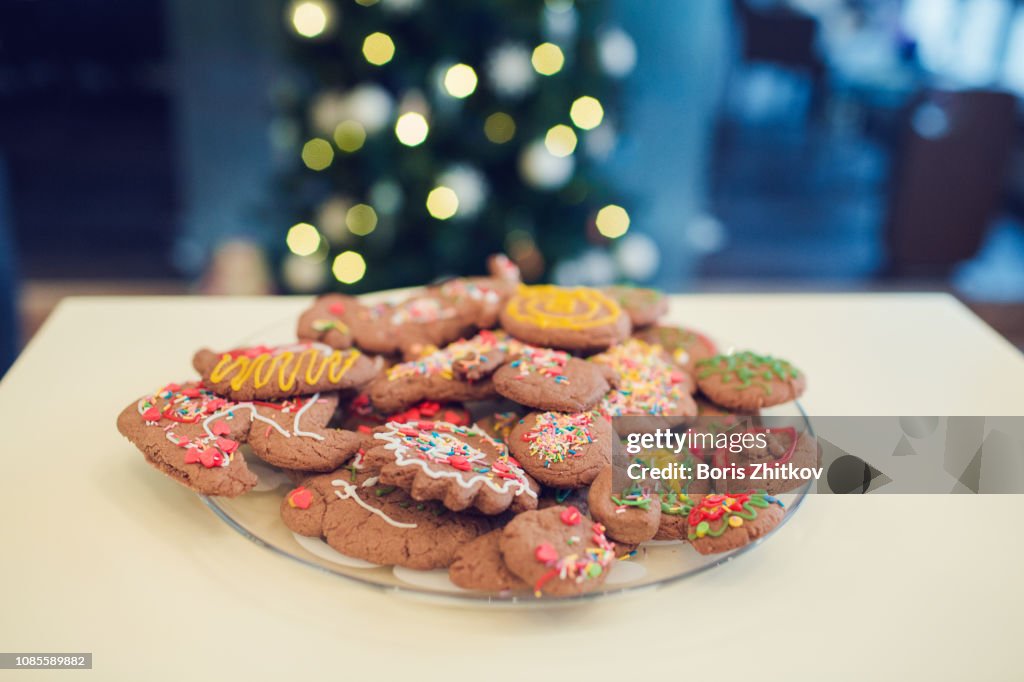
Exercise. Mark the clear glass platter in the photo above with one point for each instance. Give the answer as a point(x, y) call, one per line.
point(256, 517)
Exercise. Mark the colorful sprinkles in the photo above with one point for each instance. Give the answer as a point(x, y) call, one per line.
point(730, 511)
point(648, 383)
point(558, 436)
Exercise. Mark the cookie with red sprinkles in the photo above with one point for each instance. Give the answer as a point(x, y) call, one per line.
point(562, 449)
point(557, 551)
point(463, 467)
point(723, 522)
point(648, 383)
point(548, 379)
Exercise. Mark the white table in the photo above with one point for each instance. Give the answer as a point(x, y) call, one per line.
point(101, 553)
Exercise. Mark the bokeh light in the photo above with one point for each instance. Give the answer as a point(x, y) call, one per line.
point(310, 18)
point(361, 220)
point(303, 239)
point(348, 267)
point(349, 136)
point(586, 112)
point(612, 221)
point(442, 202)
point(317, 154)
point(560, 140)
point(378, 48)
point(411, 128)
point(547, 59)
point(460, 80)
point(499, 127)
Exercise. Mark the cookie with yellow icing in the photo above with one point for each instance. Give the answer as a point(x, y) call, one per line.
point(274, 372)
point(574, 319)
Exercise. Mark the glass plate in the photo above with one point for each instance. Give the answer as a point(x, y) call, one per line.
point(256, 517)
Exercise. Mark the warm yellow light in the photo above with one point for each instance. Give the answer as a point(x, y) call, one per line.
point(303, 239)
point(317, 154)
point(560, 140)
point(612, 221)
point(309, 18)
point(361, 219)
point(586, 113)
point(499, 128)
point(411, 128)
point(349, 136)
point(460, 80)
point(349, 267)
point(442, 202)
point(547, 59)
point(378, 48)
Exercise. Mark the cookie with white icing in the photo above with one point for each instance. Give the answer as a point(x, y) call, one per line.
point(362, 517)
point(463, 467)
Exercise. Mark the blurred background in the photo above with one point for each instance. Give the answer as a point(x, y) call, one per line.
point(264, 146)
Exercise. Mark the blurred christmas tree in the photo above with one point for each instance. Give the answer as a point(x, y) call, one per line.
point(434, 133)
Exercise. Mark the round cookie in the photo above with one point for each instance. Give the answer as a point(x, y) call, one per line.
point(748, 381)
point(293, 434)
point(548, 379)
point(328, 320)
point(723, 522)
point(272, 373)
point(648, 383)
point(560, 449)
point(557, 551)
point(644, 306)
point(410, 326)
point(575, 319)
point(462, 466)
point(362, 518)
point(459, 372)
point(783, 446)
point(630, 516)
point(686, 346)
point(479, 565)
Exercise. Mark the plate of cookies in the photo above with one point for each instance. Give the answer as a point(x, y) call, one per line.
point(455, 442)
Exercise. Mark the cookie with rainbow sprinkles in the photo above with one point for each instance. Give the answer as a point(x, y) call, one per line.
point(561, 449)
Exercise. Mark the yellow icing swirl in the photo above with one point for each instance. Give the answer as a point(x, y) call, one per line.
point(285, 365)
point(550, 306)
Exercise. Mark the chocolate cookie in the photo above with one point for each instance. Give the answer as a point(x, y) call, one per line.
point(411, 327)
point(269, 373)
point(560, 449)
point(365, 519)
point(461, 466)
point(557, 551)
point(644, 306)
point(328, 320)
point(548, 379)
point(476, 299)
point(577, 319)
point(479, 565)
point(631, 516)
point(719, 523)
point(293, 434)
point(748, 381)
point(686, 346)
point(191, 435)
point(459, 372)
point(673, 524)
point(648, 383)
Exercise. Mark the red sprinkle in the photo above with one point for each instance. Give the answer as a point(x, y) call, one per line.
point(190, 392)
point(227, 445)
point(571, 516)
point(220, 428)
point(211, 457)
point(460, 462)
point(301, 497)
point(545, 553)
point(152, 415)
point(192, 456)
point(336, 308)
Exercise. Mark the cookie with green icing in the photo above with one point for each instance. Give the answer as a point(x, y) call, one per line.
point(723, 522)
point(748, 381)
point(631, 515)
